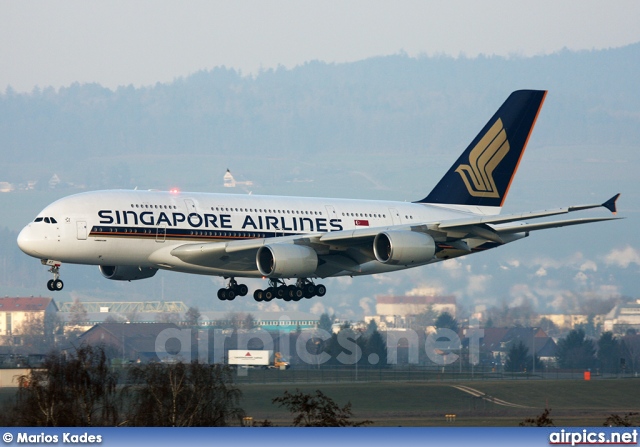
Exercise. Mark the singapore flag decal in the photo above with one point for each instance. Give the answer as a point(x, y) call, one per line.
point(361, 223)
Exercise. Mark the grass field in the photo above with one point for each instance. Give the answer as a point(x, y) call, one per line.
point(573, 403)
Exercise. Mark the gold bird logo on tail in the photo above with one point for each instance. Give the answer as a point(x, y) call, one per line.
point(483, 160)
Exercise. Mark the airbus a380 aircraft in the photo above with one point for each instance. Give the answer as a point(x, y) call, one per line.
point(132, 234)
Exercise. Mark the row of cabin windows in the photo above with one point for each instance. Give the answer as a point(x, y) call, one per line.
point(264, 210)
point(49, 220)
point(157, 207)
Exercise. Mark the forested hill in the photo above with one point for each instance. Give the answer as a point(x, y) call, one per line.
point(394, 104)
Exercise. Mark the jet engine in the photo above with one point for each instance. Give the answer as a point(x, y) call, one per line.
point(286, 261)
point(403, 247)
point(126, 272)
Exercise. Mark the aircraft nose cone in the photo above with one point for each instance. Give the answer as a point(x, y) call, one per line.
point(27, 242)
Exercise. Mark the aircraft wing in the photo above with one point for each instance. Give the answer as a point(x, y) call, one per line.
point(349, 249)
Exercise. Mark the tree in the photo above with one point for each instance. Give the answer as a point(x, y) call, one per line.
point(192, 316)
point(249, 322)
point(609, 352)
point(615, 420)
point(78, 313)
point(182, 395)
point(326, 322)
point(375, 347)
point(575, 351)
point(519, 359)
point(79, 391)
point(446, 320)
point(426, 318)
point(317, 410)
point(542, 420)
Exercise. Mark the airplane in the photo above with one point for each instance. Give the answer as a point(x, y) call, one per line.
point(130, 235)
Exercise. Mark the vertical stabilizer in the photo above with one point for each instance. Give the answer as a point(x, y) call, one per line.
point(484, 172)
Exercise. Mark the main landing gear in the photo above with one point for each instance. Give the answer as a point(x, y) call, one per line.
point(278, 289)
point(233, 290)
point(56, 283)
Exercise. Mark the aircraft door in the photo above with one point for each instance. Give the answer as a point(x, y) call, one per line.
point(191, 206)
point(395, 216)
point(331, 214)
point(161, 233)
point(82, 230)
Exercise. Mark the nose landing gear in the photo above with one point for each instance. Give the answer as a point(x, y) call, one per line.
point(56, 283)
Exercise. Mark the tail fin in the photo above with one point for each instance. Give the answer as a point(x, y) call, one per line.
point(483, 173)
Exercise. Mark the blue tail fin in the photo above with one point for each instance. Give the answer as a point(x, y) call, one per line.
point(483, 173)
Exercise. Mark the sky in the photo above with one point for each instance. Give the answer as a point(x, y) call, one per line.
point(115, 43)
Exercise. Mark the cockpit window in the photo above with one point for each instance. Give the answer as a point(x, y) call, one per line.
point(53, 220)
point(46, 220)
point(38, 219)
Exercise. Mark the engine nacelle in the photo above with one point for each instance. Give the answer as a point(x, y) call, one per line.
point(286, 261)
point(126, 272)
point(404, 247)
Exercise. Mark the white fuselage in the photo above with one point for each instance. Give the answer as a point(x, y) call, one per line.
point(140, 228)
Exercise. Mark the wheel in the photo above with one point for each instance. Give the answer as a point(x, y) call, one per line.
point(299, 293)
point(50, 285)
point(309, 290)
point(231, 294)
point(242, 289)
point(258, 295)
point(287, 297)
point(320, 290)
point(269, 294)
point(58, 285)
point(222, 294)
point(297, 298)
point(291, 291)
point(281, 292)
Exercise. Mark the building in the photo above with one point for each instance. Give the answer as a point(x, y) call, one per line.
point(623, 317)
point(285, 321)
point(396, 311)
point(496, 343)
point(136, 342)
point(16, 313)
point(569, 322)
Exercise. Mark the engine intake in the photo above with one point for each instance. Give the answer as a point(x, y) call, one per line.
point(403, 248)
point(286, 261)
point(126, 272)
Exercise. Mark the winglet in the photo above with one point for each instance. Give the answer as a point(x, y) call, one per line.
point(611, 204)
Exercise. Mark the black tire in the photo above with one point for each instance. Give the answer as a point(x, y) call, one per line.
point(269, 294)
point(50, 285)
point(242, 289)
point(258, 295)
point(309, 291)
point(299, 293)
point(231, 294)
point(58, 285)
point(222, 294)
point(320, 290)
point(281, 292)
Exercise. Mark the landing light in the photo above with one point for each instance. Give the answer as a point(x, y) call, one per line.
point(174, 191)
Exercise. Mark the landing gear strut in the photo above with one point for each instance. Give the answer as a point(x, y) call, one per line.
point(232, 290)
point(304, 288)
point(56, 283)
